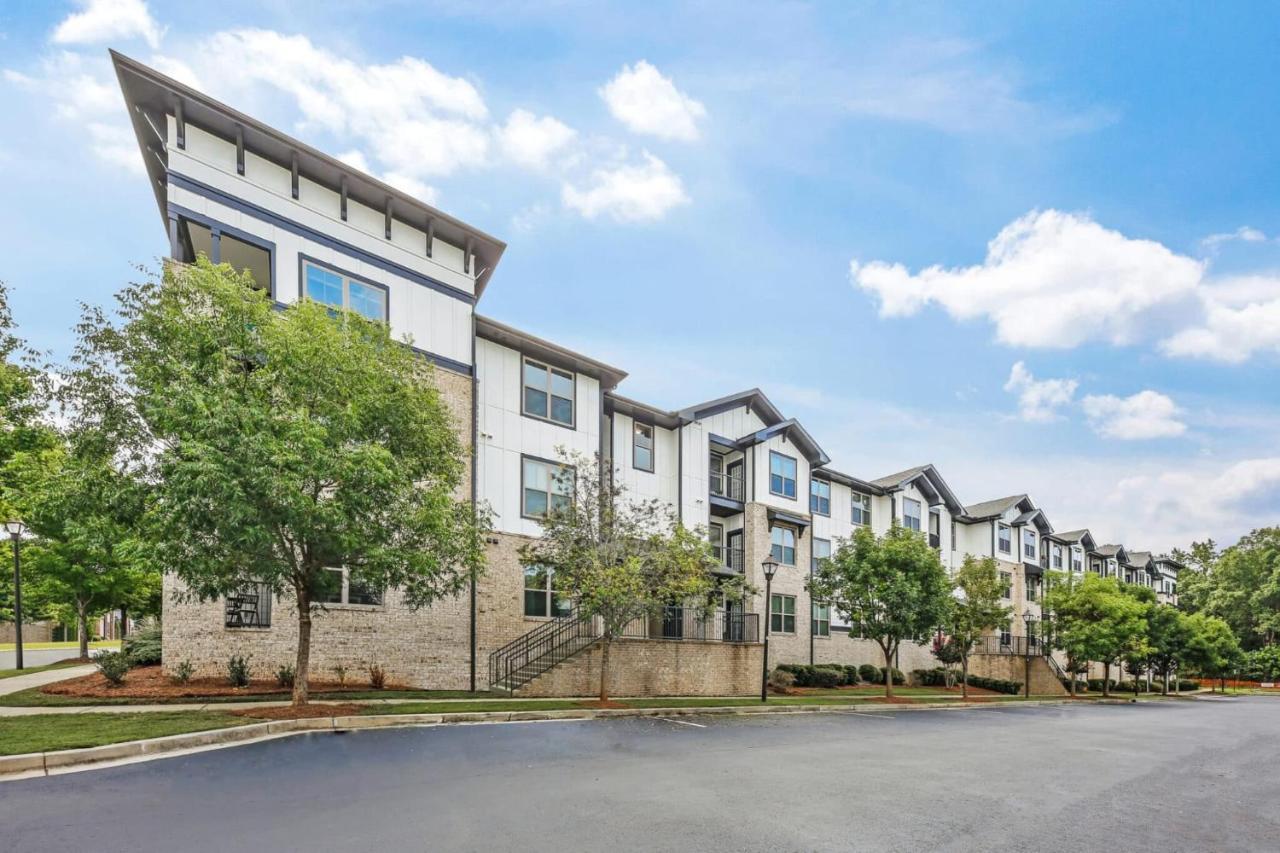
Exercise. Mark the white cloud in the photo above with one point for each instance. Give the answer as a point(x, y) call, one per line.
point(1243, 234)
point(412, 186)
point(1050, 279)
point(531, 141)
point(1147, 414)
point(641, 192)
point(108, 20)
point(1241, 317)
point(647, 102)
point(1039, 399)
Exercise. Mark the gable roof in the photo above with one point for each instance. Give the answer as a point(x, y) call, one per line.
point(753, 398)
point(643, 412)
point(150, 95)
point(799, 436)
point(845, 479)
point(1081, 537)
point(521, 341)
point(928, 480)
point(991, 509)
point(1116, 551)
point(1141, 559)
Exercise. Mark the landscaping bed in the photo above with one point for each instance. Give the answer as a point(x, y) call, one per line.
point(149, 683)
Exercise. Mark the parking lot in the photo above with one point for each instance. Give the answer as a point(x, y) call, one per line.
point(1176, 775)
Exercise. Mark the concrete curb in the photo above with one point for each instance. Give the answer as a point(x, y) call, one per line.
point(34, 764)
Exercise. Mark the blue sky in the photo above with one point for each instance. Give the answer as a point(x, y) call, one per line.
point(1037, 245)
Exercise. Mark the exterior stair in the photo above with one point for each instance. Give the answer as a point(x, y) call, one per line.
point(534, 652)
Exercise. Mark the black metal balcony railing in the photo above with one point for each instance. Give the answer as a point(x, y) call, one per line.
point(249, 608)
point(728, 558)
point(935, 541)
point(678, 623)
point(727, 486)
point(1010, 645)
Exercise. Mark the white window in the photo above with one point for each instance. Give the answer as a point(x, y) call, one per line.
point(1005, 539)
point(541, 597)
point(821, 551)
point(1057, 556)
point(642, 446)
point(1028, 543)
point(331, 287)
point(783, 547)
point(338, 587)
point(820, 497)
point(548, 393)
point(821, 620)
point(861, 509)
point(1077, 558)
point(911, 516)
point(782, 614)
point(782, 475)
point(546, 487)
point(715, 535)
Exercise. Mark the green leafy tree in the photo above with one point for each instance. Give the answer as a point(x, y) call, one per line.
point(621, 560)
point(1213, 649)
point(1060, 598)
point(1168, 633)
point(1097, 621)
point(1245, 588)
point(892, 587)
point(978, 609)
point(1263, 664)
point(282, 444)
point(1196, 581)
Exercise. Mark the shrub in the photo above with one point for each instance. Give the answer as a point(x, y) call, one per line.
point(936, 677)
point(781, 680)
point(341, 672)
point(1185, 684)
point(183, 673)
point(238, 671)
point(1096, 684)
point(377, 677)
point(143, 646)
point(999, 685)
point(285, 675)
point(898, 677)
point(113, 666)
point(870, 672)
point(851, 675)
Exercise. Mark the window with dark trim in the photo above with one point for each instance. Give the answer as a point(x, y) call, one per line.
point(820, 497)
point(782, 475)
point(1056, 551)
point(1028, 543)
point(1006, 585)
point(330, 287)
point(548, 393)
point(249, 607)
point(1004, 537)
point(782, 614)
point(222, 247)
point(783, 547)
point(338, 587)
point(861, 509)
point(642, 446)
point(1077, 558)
point(545, 487)
point(821, 620)
point(911, 511)
point(821, 551)
point(541, 597)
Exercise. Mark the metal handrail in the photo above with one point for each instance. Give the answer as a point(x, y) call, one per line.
point(1015, 645)
point(549, 642)
point(678, 623)
point(727, 485)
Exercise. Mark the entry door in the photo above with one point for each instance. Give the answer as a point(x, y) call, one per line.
point(733, 622)
point(733, 553)
point(735, 487)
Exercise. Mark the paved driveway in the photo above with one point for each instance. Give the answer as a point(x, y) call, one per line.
point(1160, 776)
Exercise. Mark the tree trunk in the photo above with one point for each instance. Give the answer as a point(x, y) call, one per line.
point(1164, 687)
point(888, 672)
point(304, 648)
point(124, 623)
point(604, 670)
point(1106, 681)
point(1071, 676)
point(82, 625)
point(964, 676)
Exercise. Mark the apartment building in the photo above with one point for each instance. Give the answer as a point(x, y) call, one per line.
point(307, 226)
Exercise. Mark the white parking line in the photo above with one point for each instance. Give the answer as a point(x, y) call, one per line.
point(684, 722)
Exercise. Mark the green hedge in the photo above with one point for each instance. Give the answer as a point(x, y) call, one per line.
point(142, 647)
point(869, 672)
point(999, 685)
point(822, 675)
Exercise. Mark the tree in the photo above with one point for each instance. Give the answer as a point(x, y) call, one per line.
point(1168, 633)
point(1245, 587)
point(1213, 649)
point(892, 588)
point(977, 610)
point(622, 560)
point(1195, 583)
point(284, 445)
point(1059, 598)
point(1096, 620)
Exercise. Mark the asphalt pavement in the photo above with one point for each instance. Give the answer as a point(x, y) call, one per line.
point(1167, 776)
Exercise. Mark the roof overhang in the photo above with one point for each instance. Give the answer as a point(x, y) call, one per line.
point(1037, 517)
point(788, 518)
point(509, 336)
point(846, 480)
point(642, 412)
point(935, 489)
point(798, 435)
point(753, 398)
point(150, 96)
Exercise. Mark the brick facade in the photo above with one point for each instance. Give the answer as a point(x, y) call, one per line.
point(657, 668)
point(1044, 681)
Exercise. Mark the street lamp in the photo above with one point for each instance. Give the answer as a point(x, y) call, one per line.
point(15, 529)
point(1029, 618)
point(770, 567)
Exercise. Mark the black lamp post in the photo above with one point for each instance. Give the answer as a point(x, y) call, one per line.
point(770, 567)
point(15, 529)
point(1030, 619)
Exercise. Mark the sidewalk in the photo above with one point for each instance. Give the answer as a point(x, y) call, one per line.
point(40, 679)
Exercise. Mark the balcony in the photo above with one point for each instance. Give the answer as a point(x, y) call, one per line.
point(730, 559)
point(677, 623)
point(728, 493)
point(935, 541)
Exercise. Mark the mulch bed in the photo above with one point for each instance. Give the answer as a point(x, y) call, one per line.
point(288, 712)
point(866, 689)
point(148, 682)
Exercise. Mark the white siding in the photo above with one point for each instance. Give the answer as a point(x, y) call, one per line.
point(505, 434)
point(661, 483)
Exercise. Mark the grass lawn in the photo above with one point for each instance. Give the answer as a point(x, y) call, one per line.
point(47, 732)
point(73, 645)
point(35, 698)
point(674, 702)
point(10, 673)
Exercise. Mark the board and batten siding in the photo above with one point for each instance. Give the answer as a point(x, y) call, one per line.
point(435, 322)
point(505, 434)
point(644, 485)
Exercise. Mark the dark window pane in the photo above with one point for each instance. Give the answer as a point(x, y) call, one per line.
point(562, 410)
point(535, 503)
point(535, 402)
point(361, 593)
point(535, 603)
